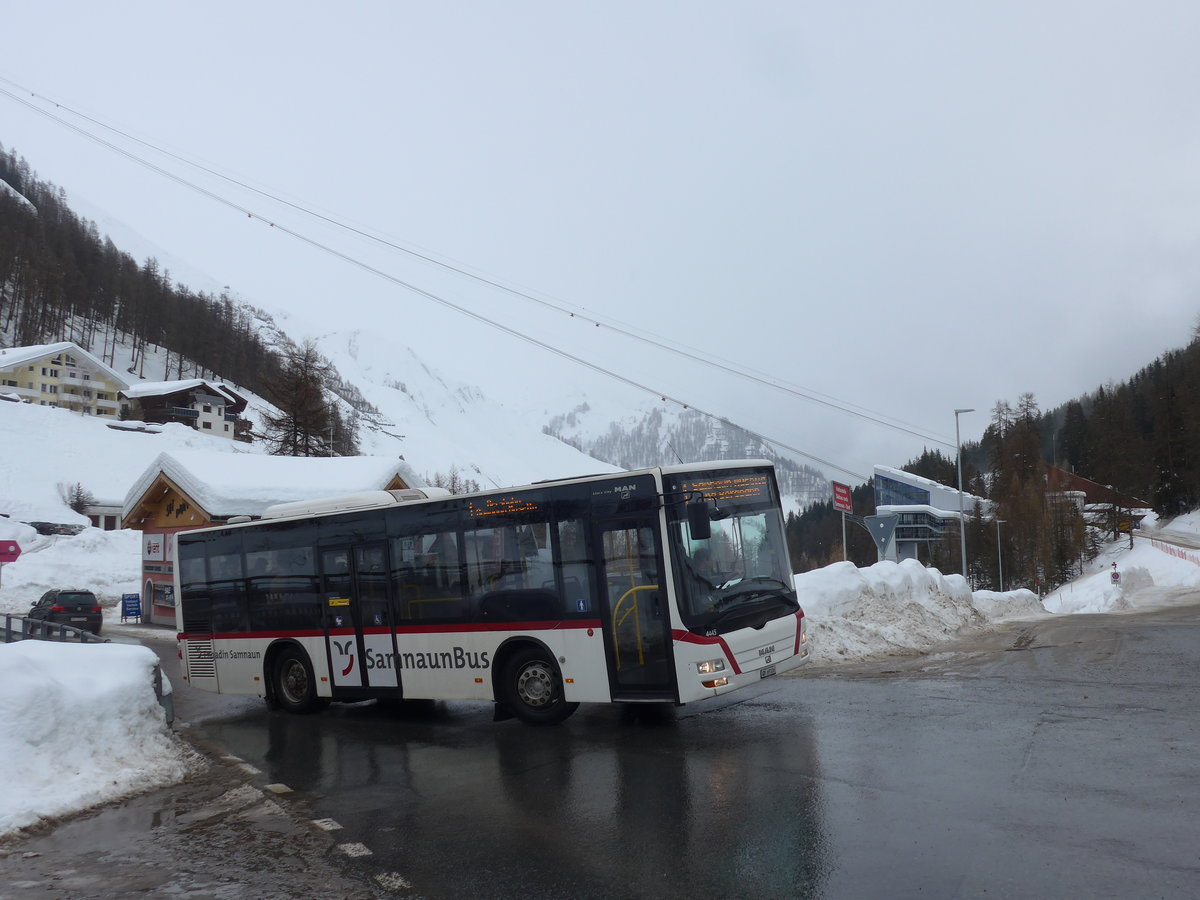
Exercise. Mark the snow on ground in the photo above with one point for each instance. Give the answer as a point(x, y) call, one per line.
point(1150, 574)
point(50, 449)
point(108, 563)
point(79, 725)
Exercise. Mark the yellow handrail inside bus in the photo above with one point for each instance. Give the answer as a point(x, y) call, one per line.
point(619, 618)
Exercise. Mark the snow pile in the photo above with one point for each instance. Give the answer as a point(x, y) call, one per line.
point(107, 563)
point(80, 725)
point(1149, 573)
point(854, 613)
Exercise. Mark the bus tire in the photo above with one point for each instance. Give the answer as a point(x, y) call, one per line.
point(295, 686)
point(532, 688)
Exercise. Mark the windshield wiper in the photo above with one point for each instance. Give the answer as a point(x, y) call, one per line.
point(751, 589)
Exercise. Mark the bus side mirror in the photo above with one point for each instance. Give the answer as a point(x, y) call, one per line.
point(698, 522)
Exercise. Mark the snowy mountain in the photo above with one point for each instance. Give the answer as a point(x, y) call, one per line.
point(660, 434)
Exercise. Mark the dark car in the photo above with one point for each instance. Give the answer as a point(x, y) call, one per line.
point(79, 609)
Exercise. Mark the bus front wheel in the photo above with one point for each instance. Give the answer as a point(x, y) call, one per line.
point(295, 686)
point(533, 689)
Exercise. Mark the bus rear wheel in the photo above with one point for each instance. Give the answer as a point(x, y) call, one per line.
point(295, 686)
point(533, 689)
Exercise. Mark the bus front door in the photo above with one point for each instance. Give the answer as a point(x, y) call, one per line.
point(358, 619)
point(637, 621)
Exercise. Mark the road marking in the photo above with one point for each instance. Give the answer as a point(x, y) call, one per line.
point(326, 824)
point(393, 881)
point(279, 789)
point(355, 850)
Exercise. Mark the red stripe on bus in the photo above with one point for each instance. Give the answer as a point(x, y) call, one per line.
point(479, 627)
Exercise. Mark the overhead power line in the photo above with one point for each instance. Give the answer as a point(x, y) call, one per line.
point(218, 198)
point(575, 312)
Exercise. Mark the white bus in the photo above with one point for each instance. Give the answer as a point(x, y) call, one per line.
point(660, 585)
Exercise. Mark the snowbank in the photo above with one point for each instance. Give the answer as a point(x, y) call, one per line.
point(1149, 565)
point(855, 613)
point(108, 563)
point(80, 725)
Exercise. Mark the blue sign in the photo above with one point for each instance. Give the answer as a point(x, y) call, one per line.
point(131, 607)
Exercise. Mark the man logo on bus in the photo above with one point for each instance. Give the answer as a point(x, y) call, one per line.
point(344, 649)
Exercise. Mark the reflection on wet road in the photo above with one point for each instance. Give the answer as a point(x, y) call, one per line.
point(1060, 763)
point(617, 803)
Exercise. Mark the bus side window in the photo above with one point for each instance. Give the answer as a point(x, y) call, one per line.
point(194, 588)
point(426, 577)
point(228, 592)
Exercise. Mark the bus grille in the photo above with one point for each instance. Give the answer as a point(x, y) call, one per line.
point(200, 660)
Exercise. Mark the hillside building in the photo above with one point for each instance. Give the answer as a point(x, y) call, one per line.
point(181, 490)
point(207, 406)
point(925, 509)
point(62, 375)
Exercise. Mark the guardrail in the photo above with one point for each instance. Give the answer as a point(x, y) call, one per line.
point(38, 630)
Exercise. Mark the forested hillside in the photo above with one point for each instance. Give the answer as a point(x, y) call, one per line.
point(61, 280)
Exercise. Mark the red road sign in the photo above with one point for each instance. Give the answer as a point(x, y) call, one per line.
point(9, 551)
point(841, 497)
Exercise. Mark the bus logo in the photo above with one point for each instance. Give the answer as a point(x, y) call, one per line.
point(343, 649)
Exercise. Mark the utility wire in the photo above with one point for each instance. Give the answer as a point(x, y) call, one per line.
point(212, 195)
point(557, 306)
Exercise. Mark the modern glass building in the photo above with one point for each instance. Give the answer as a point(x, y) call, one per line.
point(925, 510)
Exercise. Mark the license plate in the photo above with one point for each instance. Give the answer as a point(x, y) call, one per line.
point(78, 618)
point(766, 671)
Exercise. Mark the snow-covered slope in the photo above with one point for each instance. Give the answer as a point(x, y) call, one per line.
point(438, 424)
point(45, 448)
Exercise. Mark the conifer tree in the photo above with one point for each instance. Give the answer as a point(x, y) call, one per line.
point(303, 424)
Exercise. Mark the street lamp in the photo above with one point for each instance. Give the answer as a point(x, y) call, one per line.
point(999, 556)
point(962, 525)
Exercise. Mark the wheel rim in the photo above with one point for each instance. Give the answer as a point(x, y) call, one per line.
point(294, 681)
point(535, 685)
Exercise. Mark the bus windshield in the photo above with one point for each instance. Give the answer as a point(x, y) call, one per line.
point(741, 567)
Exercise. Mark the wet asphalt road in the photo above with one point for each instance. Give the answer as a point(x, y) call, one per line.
point(1050, 759)
point(1055, 759)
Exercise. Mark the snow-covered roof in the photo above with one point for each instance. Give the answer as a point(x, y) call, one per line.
point(225, 484)
point(928, 483)
point(16, 356)
point(154, 388)
point(165, 388)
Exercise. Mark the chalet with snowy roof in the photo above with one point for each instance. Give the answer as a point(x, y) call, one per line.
point(182, 490)
point(207, 406)
point(62, 375)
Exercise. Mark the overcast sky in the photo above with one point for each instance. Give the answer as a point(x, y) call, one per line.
point(910, 207)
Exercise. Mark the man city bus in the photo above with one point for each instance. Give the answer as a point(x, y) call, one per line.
point(667, 585)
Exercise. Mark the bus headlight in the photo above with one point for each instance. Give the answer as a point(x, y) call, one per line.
point(711, 667)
